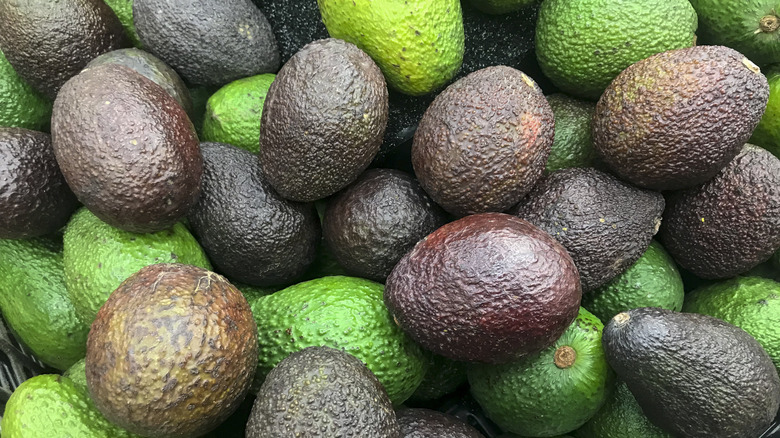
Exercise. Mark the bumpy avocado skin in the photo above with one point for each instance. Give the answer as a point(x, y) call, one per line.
point(693, 375)
point(126, 148)
point(322, 391)
point(36, 44)
point(604, 223)
point(729, 224)
point(323, 121)
point(422, 423)
point(675, 119)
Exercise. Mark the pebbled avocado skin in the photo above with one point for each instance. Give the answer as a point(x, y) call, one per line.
point(694, 375)
point(425, 423)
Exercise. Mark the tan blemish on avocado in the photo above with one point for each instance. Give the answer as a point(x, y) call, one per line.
point(752, 67)
point(565, 357)
point(530, 82)
point(621, 319)
point(133, 142)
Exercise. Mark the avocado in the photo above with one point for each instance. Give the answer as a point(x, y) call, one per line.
point(675, 119)
point(295, 23)
point(124, 12)
point(484, 141)
point(500, 6)
point(152, 68)
point(77, 373)
point(126, 148)
point(729, 224)
point(186, 337)
point(444, 377)
point(323, 120)
point(604, 223)
point(21, 106)
point(322, 391)
point(372, 223)
point(48, 42)
point(573, 144)
point(34, 197)
point(426, 423)
point(250, 233)
point(693, 375)
point(489, 287)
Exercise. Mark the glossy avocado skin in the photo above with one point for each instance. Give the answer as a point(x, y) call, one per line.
point(33, 40)
point(250, 233)
point(693, 375)
point(128, 150)
point(424, 423)
point(321, 391)
point(34, 198)
point(729, 224)
point(604, 223)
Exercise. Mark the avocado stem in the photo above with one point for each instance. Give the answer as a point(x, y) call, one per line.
point(768, 23)
point(621, 319)
point(565, 357)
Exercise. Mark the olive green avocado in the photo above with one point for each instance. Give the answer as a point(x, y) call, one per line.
point(483, 142)
point(729, 224)
point(675, 119)
point(573, 144)
point(693, 375)
point(34, 197)
point(189, 342)
point(209, 42)
point(426, 423)
point(77, 373)
point(294, 23)
point(34, 39)
point(444, 376)
point(604, 223)
point(488, 287)
point(21, 106)
point(250, 233)
point(372, 223)
point(322, 391)
point(323, 121)
point(126, 148)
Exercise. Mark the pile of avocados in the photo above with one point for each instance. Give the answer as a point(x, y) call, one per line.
point(387, 219)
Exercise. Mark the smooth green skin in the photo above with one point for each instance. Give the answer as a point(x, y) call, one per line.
point(652, 281)
point(737, 24)
point(20, 105)
point(767, 133)
point(36, 304)
point(620, 417)
point(341, 312)
point(444, 376)
point(98, 257)
point(573, 144)
point(750, 303)
point(533, 397)
point(124, 11)
point(418, 45)
point(582, 45)
point(53, 406)
point(500, 6)
point(233, 112)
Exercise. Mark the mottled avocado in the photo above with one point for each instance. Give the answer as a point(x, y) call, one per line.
point(209, 42)
point(693, 375)
point(126, 148)
point(322, 391)
point(48, 42)
point(729, 224)
point(483, 142)
point(427, 423)
point(34, 198)
point(673, 120)
point(605, 224)
point(488, 287)
point(323, 120)
point(295, 23)
point(250, 233)
point(371, 224)
point(172, 352)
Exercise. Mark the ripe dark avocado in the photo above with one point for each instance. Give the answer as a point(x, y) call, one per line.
point(605, 224)
point(250, 233)
point(34, 198)
point(729, 224)
point(126, 149)
point(209, 42)
point(322, 391)
point(427, 423)
point(693, 375)
point(34, 38)
point(673, 120)
point(372, 223)
point(488, 287)
point(295, 23)
point(323, 120)
point(172, 352)
point(484, 141)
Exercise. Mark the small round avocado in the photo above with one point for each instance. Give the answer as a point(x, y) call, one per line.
point(322, 391)
point(424, 423)
point(488, 287)
point(34, 197)
point(172, 352)
point(371, 224)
